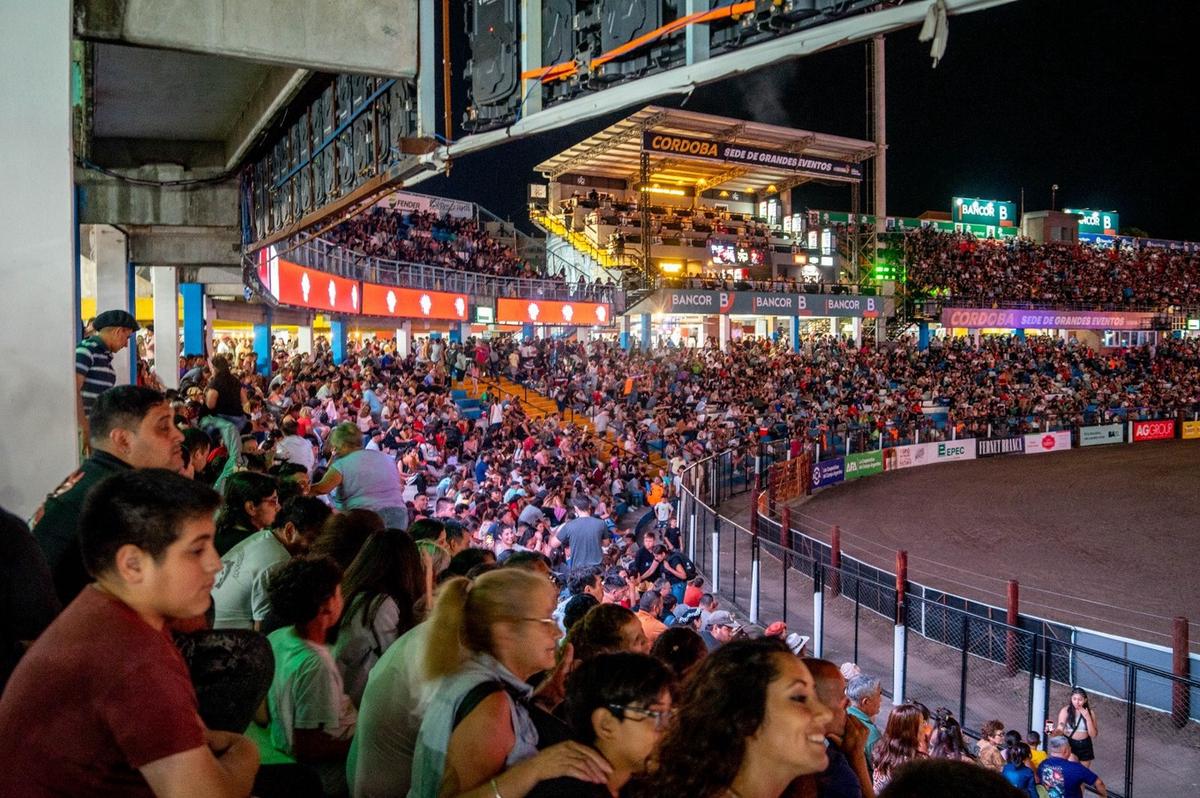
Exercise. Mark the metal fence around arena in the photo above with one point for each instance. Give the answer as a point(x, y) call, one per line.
point(929, 645)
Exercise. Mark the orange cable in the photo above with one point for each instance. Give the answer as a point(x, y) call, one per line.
point(570, 68)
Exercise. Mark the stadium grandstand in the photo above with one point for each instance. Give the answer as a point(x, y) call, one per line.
point(358, 490)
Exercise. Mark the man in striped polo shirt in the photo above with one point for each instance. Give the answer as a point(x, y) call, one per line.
point(94, 372)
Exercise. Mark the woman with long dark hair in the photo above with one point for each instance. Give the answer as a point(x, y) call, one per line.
point(902, 741)
point(251, 503)
point(1077, 723)
point(380, 591)
point(748, 724)
point(947, 741)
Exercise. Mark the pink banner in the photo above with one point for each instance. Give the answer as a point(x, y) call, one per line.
point(1012, 318)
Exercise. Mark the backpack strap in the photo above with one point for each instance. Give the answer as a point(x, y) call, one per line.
point(474, 698)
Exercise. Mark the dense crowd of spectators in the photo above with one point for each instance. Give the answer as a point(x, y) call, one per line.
point(427, 238)
point(983, 271)
point(832, 391)
point(405, 593)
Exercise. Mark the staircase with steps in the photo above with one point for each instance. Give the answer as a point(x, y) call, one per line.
point(537, 405)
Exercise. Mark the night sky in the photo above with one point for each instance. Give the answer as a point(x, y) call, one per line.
point(1098, 97)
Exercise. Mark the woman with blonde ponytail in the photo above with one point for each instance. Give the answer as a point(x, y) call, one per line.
point(478, 737)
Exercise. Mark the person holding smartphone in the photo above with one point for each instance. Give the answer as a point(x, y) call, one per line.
point(1077, 723)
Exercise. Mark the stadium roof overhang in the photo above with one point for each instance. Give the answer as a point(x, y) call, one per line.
point(616, 152)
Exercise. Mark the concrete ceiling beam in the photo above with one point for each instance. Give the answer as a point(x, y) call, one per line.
point(372, 37)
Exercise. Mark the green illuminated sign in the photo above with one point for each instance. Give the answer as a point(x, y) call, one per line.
point(1098, 222)
point(972, 210)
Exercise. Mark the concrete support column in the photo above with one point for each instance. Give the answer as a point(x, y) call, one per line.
point(724, 328)
point(922, 335)
point(795, 333)
point(625, 333)
point(527, 332)
point(404, 339)
point(37, 223)
point(701, 334)
point(976, 337)
point(304, 339)
point(1019, 334)
point(195, 339)
point(164, 281)
point(114, 287)
point(464, 331)
point(760, 328)
point(856, 331)
point(645, 325)
point(455, 336)
point(262, 347)
point(337, 341)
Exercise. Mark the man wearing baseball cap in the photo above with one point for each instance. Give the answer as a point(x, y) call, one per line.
point(94, 373)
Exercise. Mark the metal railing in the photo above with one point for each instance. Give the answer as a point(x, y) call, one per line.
point(936, 647)
point(325, 256)
point(932, 305)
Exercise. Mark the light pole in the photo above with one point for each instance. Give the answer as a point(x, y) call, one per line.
point(1053, 193)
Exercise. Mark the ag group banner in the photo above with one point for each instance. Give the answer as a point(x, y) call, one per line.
point(389, 300)
point(1159, 430)
point(544, 311)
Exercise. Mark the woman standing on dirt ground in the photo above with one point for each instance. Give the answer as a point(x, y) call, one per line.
point(1078, 723)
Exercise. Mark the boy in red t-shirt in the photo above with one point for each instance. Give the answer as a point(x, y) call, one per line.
point(102, 704)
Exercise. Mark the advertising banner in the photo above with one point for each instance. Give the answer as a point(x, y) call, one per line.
point(1101, 434)
point(545, 311)
point(1012, 318)
point(992, 447)
point(828, 472)
point(1097, 222)
point(1042, 442)
point(1160, 430)
point(1191, 430)
point(972, 210)
point(921, 454)
point(689, 147)
point(759, 303)
point(293, 284)
point(404, 201)
point(863, 464)
point(410, 303)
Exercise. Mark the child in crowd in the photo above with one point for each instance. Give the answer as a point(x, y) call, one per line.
point(312, 719)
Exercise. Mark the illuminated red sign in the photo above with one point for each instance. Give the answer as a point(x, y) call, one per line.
point(411, 303)
point(545, 311)
point(1154, 430)
point(293, 284)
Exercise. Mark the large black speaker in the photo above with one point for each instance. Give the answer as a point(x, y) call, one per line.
point(494, 69)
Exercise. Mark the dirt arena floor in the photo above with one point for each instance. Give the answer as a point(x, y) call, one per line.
point(1107, 538)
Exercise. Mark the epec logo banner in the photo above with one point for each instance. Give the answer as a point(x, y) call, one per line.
point(1042, 442)
point(1153, 430)
point(1101, 434)
point(992, 447)
point(919, 454)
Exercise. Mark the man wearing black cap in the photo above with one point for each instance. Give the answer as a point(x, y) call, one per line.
point(94, 373)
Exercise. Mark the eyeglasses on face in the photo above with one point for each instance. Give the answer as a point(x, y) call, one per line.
point(660, 717)
point(548, 622)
